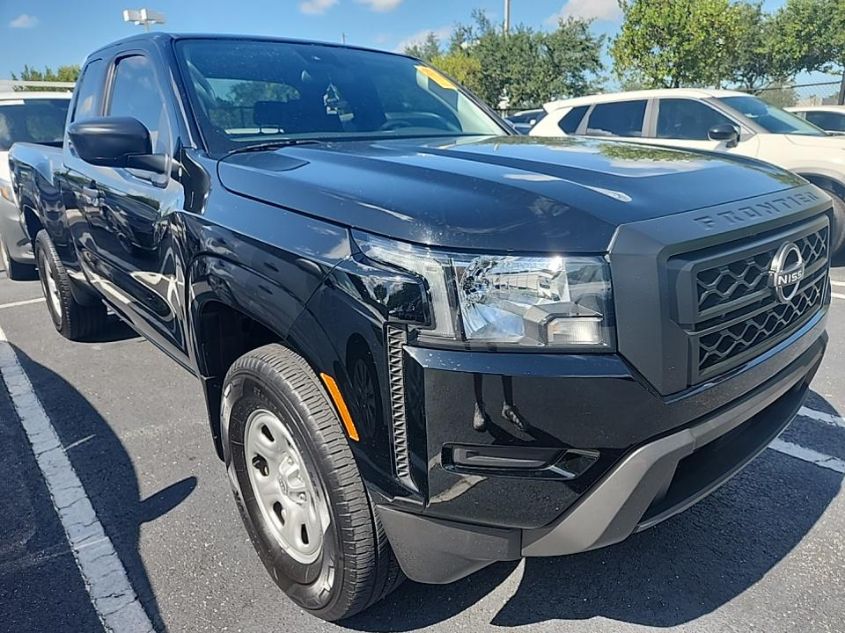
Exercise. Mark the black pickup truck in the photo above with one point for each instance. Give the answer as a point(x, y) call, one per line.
point(425, 343)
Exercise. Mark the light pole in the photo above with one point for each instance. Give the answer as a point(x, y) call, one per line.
point(143, 16)
point(507, 27)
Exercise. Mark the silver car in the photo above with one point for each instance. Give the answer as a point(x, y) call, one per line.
point(31, 117)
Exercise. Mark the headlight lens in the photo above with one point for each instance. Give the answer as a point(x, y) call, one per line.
point(7, 192)
point(507, 300)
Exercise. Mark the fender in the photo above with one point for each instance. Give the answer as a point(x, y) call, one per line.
point(220, 286)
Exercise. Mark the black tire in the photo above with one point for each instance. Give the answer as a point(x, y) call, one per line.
point(72, 319)
point(837, 229)
point(356, 566)
point(16, 271)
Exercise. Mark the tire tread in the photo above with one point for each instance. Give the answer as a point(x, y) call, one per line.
point(371, 570)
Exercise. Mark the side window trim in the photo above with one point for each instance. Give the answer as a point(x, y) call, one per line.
point(582, 126)
point(652, 109)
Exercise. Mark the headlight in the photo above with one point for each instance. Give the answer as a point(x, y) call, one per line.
point(506, 300)
point(7, 192)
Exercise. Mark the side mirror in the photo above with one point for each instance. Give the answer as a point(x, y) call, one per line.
point(115, 142)
point(724, 132)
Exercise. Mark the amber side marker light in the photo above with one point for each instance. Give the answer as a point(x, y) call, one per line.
point(340, 403)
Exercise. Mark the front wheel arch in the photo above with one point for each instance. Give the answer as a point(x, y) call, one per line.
point(836, 190)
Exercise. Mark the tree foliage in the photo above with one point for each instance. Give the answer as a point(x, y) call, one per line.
point(425, 50)
point(522, 69)
point(755, 64)
point(62, 73)
point(811, 35)
point(674, 43)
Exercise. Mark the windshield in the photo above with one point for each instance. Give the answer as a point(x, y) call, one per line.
point(32, 121)
point(770, 118)
point(247, 92)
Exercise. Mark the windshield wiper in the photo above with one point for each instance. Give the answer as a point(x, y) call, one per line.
point(271, 145)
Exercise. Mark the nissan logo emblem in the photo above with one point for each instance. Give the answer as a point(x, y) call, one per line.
point(787, 271)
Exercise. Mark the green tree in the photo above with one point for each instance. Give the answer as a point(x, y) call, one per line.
point(62, 73)
point(465, 68)
point(574, 64)
point(811, 35)
point(674, 43)
point(779, 95)
point(755, 63)
point(425, 50)
point(526, 67)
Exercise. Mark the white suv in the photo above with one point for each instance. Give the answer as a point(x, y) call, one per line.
point(717, 120)
point(830, 118)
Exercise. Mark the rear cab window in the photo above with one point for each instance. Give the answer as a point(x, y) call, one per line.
point(619, 118)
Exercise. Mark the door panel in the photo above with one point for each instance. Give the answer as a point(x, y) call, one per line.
point(133, 258)
point(686, 122)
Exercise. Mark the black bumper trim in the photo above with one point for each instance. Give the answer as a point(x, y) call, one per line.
point(615, 507)
point(645, 488)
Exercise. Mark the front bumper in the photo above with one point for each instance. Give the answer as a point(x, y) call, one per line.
point(654, 455)
point(18, 244)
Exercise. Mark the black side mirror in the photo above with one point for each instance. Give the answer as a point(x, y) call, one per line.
point(724, 132)
point(115, 142)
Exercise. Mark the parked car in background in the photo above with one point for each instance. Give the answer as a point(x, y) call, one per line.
point(35, 117)
point(830, 118)
point(426, 343)
point(717, 120)
point(523, 121)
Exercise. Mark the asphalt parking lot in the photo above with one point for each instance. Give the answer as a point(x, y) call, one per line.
point(764, 553)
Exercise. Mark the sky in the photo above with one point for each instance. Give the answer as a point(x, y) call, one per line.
point(58, 32)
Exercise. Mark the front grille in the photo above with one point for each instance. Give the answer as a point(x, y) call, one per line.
point(726, 302)
point(748, 277)
point(725, 343)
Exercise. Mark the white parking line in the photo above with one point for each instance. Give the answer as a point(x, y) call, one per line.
point(105, 578)
point(838, 283)
point(836, 295)
point(808, 455)
point(15, 304)
point(824, 418)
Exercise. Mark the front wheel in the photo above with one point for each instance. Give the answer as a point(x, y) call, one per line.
point(837, 228)
point(298, 489)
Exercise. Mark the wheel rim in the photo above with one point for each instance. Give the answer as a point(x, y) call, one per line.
point(49, 285)
point(293, 507)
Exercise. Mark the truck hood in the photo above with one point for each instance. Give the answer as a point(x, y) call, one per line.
point(512, 193)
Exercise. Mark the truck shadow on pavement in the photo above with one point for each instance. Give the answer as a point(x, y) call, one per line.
point(670, 575)
point(110, 481)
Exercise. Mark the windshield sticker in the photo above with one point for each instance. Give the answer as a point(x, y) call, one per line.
point(436, 77)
